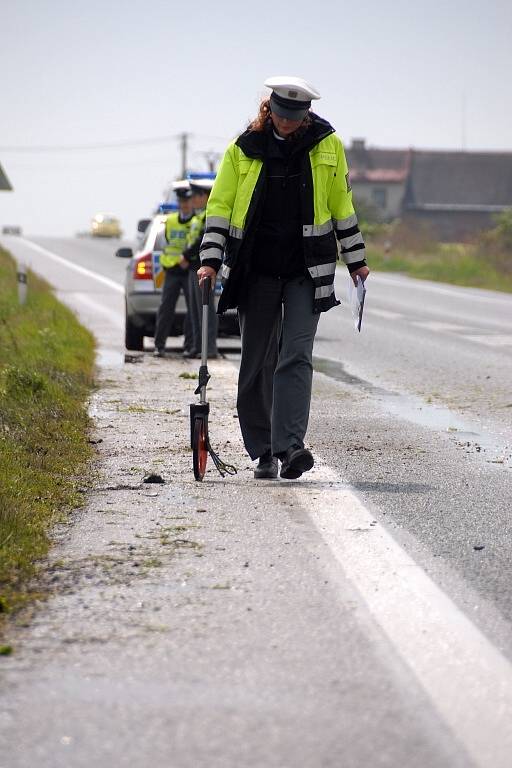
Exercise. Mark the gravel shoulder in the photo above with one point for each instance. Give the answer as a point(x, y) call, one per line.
point(203, 622)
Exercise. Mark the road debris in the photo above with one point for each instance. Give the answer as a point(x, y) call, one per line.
point(152, 478)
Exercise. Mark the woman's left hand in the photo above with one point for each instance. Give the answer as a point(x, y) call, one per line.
point(363, 273)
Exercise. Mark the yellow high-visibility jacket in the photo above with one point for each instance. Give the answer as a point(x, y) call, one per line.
point(327, 213)
point(176, 233)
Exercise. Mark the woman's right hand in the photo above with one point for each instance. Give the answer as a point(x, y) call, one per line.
point(204, 272)
point(362, 272)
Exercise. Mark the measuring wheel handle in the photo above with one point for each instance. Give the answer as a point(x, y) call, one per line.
point(206, 286)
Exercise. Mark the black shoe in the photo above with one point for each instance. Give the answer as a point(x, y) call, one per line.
point(190, 354)
point(295, 461)
point(159, 352)
point(267, 467)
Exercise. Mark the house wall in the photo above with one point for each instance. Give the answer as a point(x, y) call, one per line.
point(373, 193)
point(452, 226)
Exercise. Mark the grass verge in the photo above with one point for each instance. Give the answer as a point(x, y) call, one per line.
point(46, 374)
point(446, 263)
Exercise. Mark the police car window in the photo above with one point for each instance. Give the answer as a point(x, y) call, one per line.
point(147, 238)
point(160, 241)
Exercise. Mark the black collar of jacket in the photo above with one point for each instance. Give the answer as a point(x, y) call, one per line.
point(256, 144)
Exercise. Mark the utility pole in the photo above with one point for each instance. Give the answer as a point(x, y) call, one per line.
point(184, 149)
point(463, 123)
point(211, 158)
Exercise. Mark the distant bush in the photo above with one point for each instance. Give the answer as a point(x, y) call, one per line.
point(410, 247)
point(504, 228)
point(495, 245)
point(367, 217)
point(405, 237)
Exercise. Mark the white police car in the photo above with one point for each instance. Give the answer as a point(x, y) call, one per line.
point(143, 288)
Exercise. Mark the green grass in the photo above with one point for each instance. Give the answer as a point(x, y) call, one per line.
point(447, 263)
point(46, 374)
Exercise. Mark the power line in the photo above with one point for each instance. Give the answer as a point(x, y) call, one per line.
point(80, 147)
point(101, 145)
point(76, 164)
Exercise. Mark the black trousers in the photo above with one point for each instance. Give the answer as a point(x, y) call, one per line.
point(176, 280)
point(278, 329)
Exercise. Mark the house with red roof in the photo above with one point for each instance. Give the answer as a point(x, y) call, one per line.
point(455, 193)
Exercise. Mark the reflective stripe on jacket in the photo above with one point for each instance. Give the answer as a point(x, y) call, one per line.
point(196, 226)
point(194, 237)
point(327, 211)
point(176, 233)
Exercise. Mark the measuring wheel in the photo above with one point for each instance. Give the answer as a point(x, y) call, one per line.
point(200, 447)
point(199, 440)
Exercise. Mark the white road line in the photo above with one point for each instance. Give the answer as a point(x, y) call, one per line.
point(385, 313)
point(114, 317)
point(489, 339)
point(498, 340)
point(76, 267)
point(435, 325)
point(459, 292)
point(468, 680)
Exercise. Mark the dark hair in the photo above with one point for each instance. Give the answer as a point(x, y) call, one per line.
point(263, 119)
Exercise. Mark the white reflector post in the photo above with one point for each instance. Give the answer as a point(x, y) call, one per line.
point(22, 282)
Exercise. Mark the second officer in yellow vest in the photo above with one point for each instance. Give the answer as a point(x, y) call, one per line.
point(201, 189)
point(177, 229)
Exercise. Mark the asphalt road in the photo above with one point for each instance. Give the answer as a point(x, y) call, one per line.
point(373, 623)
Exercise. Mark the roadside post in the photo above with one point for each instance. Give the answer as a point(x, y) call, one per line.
point(22, 282)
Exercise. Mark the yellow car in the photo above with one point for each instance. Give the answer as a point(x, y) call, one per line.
point(105, 225)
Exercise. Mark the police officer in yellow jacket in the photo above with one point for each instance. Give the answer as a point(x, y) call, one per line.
point(201, 188)
point(177, 228)
point(281, 199)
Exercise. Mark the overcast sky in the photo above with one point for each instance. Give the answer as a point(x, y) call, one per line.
point(404, 73)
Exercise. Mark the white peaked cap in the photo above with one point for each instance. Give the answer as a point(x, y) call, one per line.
point(293, 88)
point(204, 184)
point(181, 184)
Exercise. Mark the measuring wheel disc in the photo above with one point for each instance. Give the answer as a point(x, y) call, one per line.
point(199, 449)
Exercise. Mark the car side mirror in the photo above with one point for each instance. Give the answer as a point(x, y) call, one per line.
point(124, 253)
point(142, 225)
